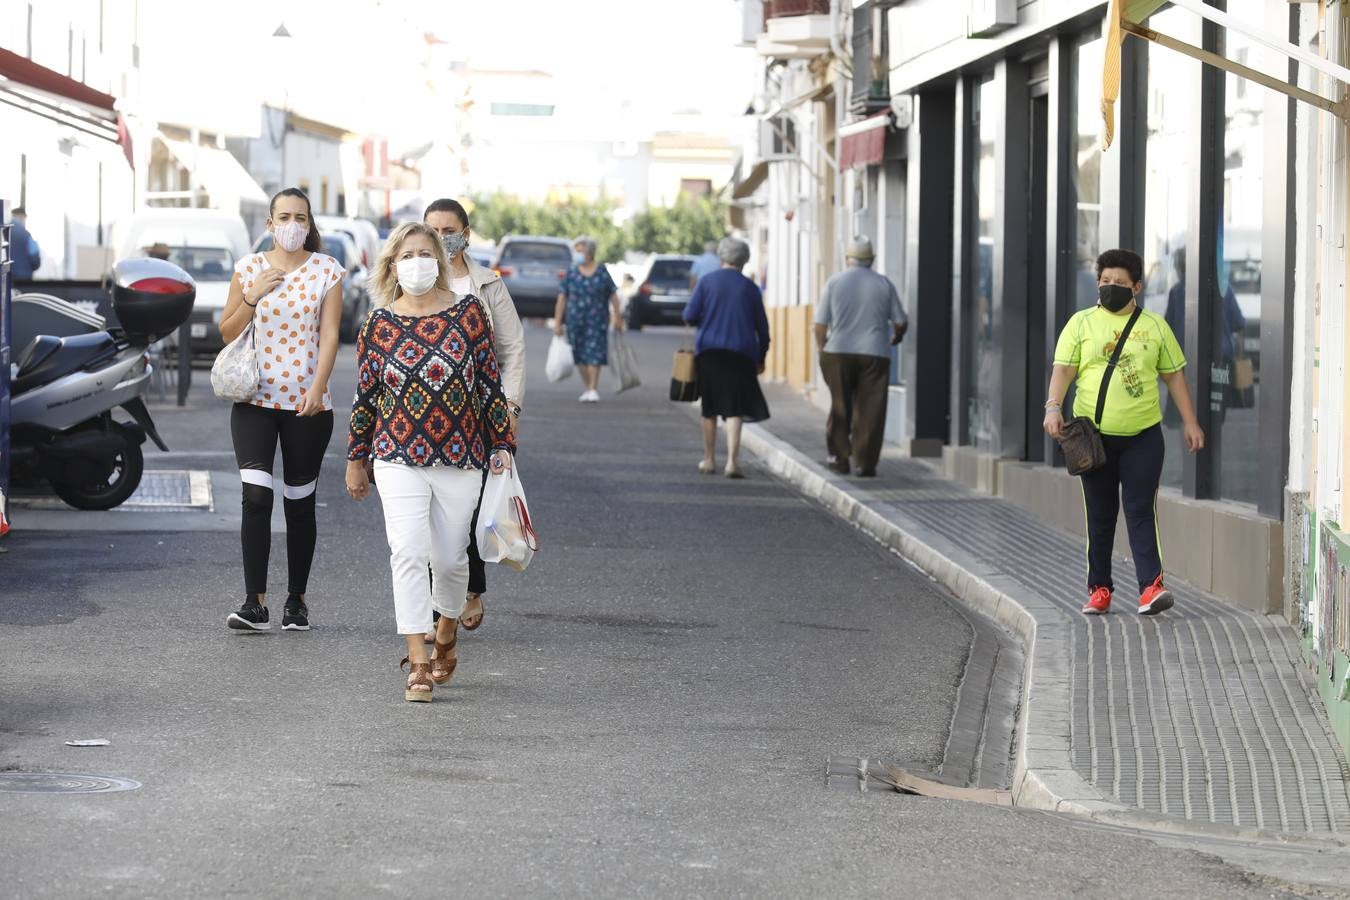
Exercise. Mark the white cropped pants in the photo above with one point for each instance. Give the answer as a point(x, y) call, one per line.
point(427, 512)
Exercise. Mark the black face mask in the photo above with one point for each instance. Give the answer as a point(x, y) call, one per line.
point(1114, 297)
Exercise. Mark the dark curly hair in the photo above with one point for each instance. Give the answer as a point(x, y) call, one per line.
point(1122, 259)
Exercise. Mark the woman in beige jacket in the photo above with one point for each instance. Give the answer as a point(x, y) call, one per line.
point(451, 221)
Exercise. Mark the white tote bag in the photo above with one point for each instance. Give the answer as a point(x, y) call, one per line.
point(505, 533)
point(559, 365)
point(234, 375)
point(623, 360)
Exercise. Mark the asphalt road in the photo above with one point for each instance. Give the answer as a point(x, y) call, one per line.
point(646, 712)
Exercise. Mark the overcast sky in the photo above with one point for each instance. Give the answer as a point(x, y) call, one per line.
point(353, 62)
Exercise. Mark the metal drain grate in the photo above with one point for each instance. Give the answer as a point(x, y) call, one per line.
point(63, 783)
point(160, 490)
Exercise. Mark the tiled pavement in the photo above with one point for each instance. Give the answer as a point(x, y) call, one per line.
point(1201, 713)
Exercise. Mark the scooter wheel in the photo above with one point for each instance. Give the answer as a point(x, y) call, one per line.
point(127, 467)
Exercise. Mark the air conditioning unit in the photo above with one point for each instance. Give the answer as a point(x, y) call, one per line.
point(989, 17)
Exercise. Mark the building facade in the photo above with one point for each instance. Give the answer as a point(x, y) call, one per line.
point(983, 181)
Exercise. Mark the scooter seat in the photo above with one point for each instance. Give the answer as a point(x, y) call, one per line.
point(47, 358)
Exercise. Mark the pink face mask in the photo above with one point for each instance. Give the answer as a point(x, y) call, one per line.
point(290, 236)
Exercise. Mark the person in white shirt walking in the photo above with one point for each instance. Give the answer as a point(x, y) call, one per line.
point(859, 319)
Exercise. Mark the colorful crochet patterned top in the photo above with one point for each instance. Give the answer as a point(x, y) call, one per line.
point(428, 392)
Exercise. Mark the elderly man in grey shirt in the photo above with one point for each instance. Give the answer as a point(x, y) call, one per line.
point(858, 320)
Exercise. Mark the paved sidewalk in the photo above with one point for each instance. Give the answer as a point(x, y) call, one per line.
point(1199, 714)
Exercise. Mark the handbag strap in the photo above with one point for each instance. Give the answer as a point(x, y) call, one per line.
point(1111, 364)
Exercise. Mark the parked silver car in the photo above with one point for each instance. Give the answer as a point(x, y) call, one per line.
point(532, 269)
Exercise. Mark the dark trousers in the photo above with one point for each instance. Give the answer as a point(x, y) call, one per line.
point(857, 422)
point(256, 432)
point(477, 568)
point(1131, 475)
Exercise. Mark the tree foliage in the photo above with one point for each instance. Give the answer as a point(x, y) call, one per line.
point(682, 228)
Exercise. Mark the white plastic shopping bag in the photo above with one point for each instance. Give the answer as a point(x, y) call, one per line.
point(559, 364)
point(623, 360)
point(505, 533)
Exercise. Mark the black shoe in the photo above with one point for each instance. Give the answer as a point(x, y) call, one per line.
point(295, 617)
point(867, 473)
point(252, 616)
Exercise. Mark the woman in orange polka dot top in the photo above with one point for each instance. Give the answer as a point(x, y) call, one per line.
point(293, 296)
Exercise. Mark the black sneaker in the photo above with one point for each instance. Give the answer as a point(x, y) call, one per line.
point(252, 616)
point(295, 617)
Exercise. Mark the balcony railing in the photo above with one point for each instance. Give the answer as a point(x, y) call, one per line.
point(782, 9)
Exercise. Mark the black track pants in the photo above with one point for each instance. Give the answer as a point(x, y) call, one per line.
point(256, 432)
point(1130, 477)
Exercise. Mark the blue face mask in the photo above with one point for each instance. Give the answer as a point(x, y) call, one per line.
point(577, 258)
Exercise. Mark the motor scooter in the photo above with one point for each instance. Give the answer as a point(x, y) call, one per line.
point(65, 388)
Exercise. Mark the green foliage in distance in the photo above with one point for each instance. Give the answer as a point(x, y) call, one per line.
point(682, 228)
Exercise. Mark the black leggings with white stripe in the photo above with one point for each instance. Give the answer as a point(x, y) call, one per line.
point(256, 432)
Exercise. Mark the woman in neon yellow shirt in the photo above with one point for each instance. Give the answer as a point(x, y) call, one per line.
point(1131, 425)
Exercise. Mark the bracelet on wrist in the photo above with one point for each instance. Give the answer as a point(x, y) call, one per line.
point(1053, 404)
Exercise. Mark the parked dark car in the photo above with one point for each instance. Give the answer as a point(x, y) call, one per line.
point(532, 269)
point(355, 295)
point(662, 292)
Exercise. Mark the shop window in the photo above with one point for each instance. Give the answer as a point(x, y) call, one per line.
point(981, 381)
point(1085, 169)
point(1235, 373)
point(1171, 124)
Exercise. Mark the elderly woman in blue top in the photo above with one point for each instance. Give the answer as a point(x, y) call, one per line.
point(730, 347)
point(585, 291)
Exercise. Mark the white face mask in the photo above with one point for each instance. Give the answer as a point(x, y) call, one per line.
point(290, 236)
point(417, 275)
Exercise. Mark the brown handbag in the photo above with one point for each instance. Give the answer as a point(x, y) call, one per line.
point(684, 374)
point(1079, 437)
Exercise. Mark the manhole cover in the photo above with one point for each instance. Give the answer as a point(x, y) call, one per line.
point(62, 783)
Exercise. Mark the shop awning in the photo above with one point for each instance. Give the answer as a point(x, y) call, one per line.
point(215, 170)
point(751, 182)
point(1127, 16)
point(42, 92)
point(863, 143)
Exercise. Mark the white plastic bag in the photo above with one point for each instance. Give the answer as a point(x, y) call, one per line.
point(505, 533)
point(559, 365)
point(234, 374)
point(623, 360)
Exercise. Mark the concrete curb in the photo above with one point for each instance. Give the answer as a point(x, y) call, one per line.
point(1044, 777)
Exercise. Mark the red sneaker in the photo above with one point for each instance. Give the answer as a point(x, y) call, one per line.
point(1099, 603)
point(1155, 599)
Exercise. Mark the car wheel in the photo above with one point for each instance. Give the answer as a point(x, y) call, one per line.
point(633, 319)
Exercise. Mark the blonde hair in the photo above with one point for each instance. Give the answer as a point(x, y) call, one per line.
point(385, 276)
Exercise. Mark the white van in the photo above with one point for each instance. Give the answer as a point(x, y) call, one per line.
point(205, 243)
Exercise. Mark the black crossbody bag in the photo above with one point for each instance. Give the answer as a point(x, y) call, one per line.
point(1079, 438)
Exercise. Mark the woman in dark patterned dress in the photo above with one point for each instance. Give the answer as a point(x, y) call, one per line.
point(583, 296)
point(430, 412)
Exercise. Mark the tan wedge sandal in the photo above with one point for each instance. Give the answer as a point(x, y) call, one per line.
point(419, 677)
point(444, 658)
point(473, 611)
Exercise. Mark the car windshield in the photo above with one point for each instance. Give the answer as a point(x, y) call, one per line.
point(670, 271)
point(203, 263)
point(536, 252)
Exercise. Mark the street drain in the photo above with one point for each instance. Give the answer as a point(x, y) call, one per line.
point(62, 783)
